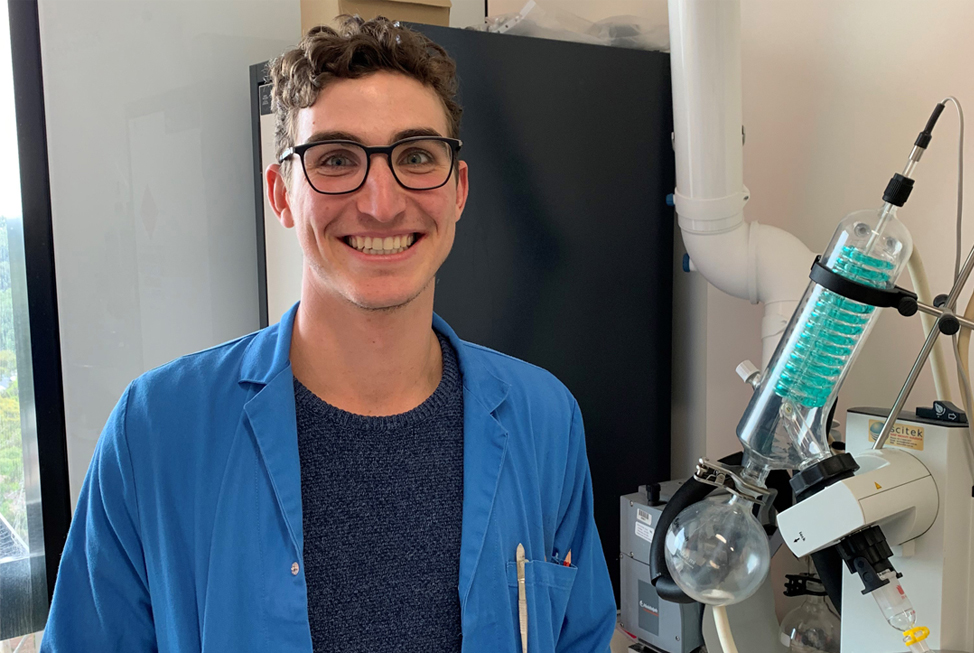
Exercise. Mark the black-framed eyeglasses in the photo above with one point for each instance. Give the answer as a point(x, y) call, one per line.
point(337, 167)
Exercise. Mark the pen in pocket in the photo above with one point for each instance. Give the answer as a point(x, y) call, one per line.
point(522, 599)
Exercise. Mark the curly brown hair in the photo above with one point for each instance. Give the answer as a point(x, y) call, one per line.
point(355, 49)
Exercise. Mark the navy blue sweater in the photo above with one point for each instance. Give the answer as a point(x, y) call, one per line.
point(382, 500)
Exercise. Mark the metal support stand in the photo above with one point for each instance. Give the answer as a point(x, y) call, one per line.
point(947, 323)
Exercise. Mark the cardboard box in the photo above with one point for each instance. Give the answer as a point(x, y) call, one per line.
point(324, 12)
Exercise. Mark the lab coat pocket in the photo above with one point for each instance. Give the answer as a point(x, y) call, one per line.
point(547, 586)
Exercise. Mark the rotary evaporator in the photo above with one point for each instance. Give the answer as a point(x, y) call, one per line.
point(715, 550)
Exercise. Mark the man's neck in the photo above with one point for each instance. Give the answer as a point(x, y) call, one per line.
point(363, 361)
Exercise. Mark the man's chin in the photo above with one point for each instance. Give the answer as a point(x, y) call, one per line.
point(382, 306)
point(385, 303)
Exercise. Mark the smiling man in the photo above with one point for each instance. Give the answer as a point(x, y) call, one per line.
point(355, 477)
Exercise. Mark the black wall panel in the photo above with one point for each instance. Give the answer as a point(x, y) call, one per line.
point(563, 257)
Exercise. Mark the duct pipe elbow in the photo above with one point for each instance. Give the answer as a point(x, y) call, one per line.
point(781, 264)
point(756, 262)
point(721, 257)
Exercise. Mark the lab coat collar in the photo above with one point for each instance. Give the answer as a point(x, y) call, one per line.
point(268, 354)
point(488, 390)
point(271, 415)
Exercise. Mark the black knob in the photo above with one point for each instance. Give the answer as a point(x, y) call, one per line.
point(948, 325)
point(907, 306)
point(940, 301)
point(652, 493)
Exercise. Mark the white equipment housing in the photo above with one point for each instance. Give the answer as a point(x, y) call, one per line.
point(925, 506)
point(936, 566)
point(892, 489)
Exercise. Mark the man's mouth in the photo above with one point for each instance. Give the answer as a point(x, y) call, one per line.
point(381, 246)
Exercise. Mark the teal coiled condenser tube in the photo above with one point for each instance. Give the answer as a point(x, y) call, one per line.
point(828, 338)
point(784, 424)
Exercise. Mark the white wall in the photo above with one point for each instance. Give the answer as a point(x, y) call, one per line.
point(835, 92)
point(592, 10)
point(465, 13)
point(149, 135)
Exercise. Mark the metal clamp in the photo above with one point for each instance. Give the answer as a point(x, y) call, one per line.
point(722, 477)
point(903, 300)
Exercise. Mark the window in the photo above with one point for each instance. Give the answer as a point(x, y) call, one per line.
point(34, 500)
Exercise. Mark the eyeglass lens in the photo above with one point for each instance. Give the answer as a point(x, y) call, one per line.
point(341, 167)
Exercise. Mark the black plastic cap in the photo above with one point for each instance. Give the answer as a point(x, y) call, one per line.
point(898, 190)
point(948, 325)
point(908, 306)
point(932, 120)
point(823, 474)
point(652, 494)
point(923, 140)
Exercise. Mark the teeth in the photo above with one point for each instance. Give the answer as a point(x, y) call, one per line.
point(380, 246)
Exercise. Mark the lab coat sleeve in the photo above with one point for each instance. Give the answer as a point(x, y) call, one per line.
point(101, 598)
point(590, 618)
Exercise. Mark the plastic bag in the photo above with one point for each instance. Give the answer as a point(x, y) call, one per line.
point(543, 20)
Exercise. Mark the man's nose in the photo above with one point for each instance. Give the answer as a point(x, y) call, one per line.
point(381, 196)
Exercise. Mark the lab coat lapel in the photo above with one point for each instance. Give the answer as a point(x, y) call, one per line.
point(484, 449)
point(272, 418)
point(271, 415)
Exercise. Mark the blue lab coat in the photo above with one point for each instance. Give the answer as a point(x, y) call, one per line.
point(188, 530)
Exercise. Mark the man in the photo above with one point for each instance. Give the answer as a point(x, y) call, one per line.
point(354, 478)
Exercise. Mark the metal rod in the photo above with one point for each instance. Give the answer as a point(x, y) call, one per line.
point(937, 312)
point(928, 345)
point(908, 170)
point(907, 388)
point(961, 280)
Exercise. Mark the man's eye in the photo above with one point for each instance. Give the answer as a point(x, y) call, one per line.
point(416, 158)
point(337, 161)
point(332, 161)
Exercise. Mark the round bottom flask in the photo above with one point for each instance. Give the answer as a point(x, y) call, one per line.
point(811, 628)
point(717, 552)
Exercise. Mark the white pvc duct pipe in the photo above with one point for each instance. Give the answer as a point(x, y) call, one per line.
point(747, 260)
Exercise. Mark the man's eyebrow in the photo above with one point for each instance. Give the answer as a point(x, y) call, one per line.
point(333, 136)
point(317, 137)
point(420, 131)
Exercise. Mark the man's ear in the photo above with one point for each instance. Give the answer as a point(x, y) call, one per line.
point(463, 186)
point(277, 194)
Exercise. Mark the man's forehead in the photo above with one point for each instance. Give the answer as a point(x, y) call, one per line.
point(374, 109)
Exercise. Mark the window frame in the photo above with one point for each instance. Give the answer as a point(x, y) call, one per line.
point(41, 288)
